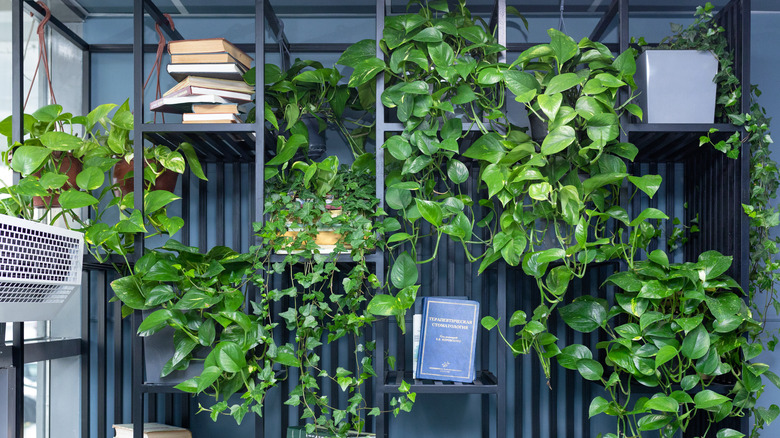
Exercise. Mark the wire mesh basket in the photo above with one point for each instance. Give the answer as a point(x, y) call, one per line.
point(40, 268)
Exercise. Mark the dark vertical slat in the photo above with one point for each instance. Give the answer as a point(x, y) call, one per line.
point(119, 363)
point(186, 203)
point(237, 198)
point(86, 294)
point(220, 216)
point(203, 211)
point(138, 106)
point(101, 351)
point(16, 382)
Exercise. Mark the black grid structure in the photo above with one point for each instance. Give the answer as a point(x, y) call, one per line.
point(513, 391)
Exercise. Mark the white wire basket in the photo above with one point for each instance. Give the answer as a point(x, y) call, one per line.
point(40, 268)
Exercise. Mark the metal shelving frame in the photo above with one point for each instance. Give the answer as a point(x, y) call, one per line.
point(232, 148)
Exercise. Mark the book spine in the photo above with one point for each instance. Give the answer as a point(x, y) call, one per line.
point(421, 337)
point(416, 324)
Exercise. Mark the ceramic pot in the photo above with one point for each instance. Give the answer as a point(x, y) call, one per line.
point(69, 165)
point(166, 181)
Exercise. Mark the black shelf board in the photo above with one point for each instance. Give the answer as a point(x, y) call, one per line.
point(484, 383)
point(90, 262)
point(342, 258)
point(672, 142)
point(214, 142)
point(399, 127)
point(160, 388)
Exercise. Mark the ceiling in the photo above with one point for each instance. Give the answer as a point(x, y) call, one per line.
point(69, 10)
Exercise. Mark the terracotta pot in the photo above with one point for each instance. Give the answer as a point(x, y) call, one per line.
point(69, 165)
point(166, 181)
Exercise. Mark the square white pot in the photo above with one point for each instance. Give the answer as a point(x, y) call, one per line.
point(676, 86)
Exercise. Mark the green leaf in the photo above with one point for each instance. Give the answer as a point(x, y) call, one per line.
point(659, 257)
point(90, 178)
point(664, 355)
point(154, 322)
point(523, 85)
point(653, 422)
point(48, 113)
point(27, 159)
point(562, 45)
point(430, 211)
point(489, 322)
point(464, 94)
point(365, 71)
point(713, 264)
point(157, 199)
point(230, 358)
point(563, 82)
point(398, 147)
point(382, 305)
point(648, 183)
point(428, 35)
point(584, 315)
point(358, 52)
point(72, 199)
point(590, 369)
point(597, 406)
point(550, 104)
point(489, 76)
point(441, 54)
point(404, 271)
point(128, 291)
point(603, 128)
point(60, 141)
point(487, 148)
point(559, 139)
point(601, 180)
point(457, 171)
point(729, 433)
point(663, 404)
point(696, 343)
point(648, 213)
point(192, 160)
point(287, 150)
point(708, 399)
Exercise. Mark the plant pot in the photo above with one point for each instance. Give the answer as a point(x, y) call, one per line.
point(538, 127)
point(69, 165)
point(166, 181)
point(326, 238)
point(676, 86)
point(159, 349)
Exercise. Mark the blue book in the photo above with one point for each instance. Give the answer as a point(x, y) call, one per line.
point(448, 339)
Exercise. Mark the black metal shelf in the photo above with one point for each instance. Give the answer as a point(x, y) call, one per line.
point(342, 258)
point(485, 382)
point(214, 142)
point(662, 142)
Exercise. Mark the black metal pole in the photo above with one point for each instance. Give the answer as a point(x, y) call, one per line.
point(260, 17)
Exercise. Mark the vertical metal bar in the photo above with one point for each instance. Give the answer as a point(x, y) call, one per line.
point(17, 71)
point(186, 203)
point(16, 383)
point(101, 352)
point(743, 222)
point(501, 373)
point(237, 204)
point(119, 364)
point(220, 225)
point(138, 106)
point(260, 96)
point(86, 293)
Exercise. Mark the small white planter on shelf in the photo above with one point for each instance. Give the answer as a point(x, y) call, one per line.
point(676, 86)
point(40, 268)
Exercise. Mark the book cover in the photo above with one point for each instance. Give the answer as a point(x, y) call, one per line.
point(230, 70)
point(448, 339)
point(225, 108)
point(300, 432)
point(231, 96)
point(210, 118)
point(184, 104)
point(152, 430)
point(417, 327)
point(205, 58)
point(238, 86)
point(208, 45)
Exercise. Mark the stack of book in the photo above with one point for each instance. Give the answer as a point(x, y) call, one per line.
point(152, 430)
point(211, 86)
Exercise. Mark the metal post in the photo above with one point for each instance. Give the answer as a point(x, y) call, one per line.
point(260, 17)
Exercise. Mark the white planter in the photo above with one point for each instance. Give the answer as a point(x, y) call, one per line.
point(40, 268)
point(676, 86)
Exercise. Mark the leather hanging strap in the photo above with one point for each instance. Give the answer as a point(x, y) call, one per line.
point(42, 55)
point(158, 61)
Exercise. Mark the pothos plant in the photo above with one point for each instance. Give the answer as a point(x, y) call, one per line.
point(308, 89)
point(200, 296)
point(443, 81)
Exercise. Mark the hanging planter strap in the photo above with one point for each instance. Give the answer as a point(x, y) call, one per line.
point(158, 60)
point(42, 55)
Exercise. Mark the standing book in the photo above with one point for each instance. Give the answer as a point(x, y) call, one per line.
point(448, 340)
point(300, 432)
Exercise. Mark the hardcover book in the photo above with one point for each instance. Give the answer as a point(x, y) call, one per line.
point(152, 430)
point(448, 339)
point(209, 45)
point(184, 104)
point(231, 96)
point(230, 70)
point(238, 86)
point(205, 58)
